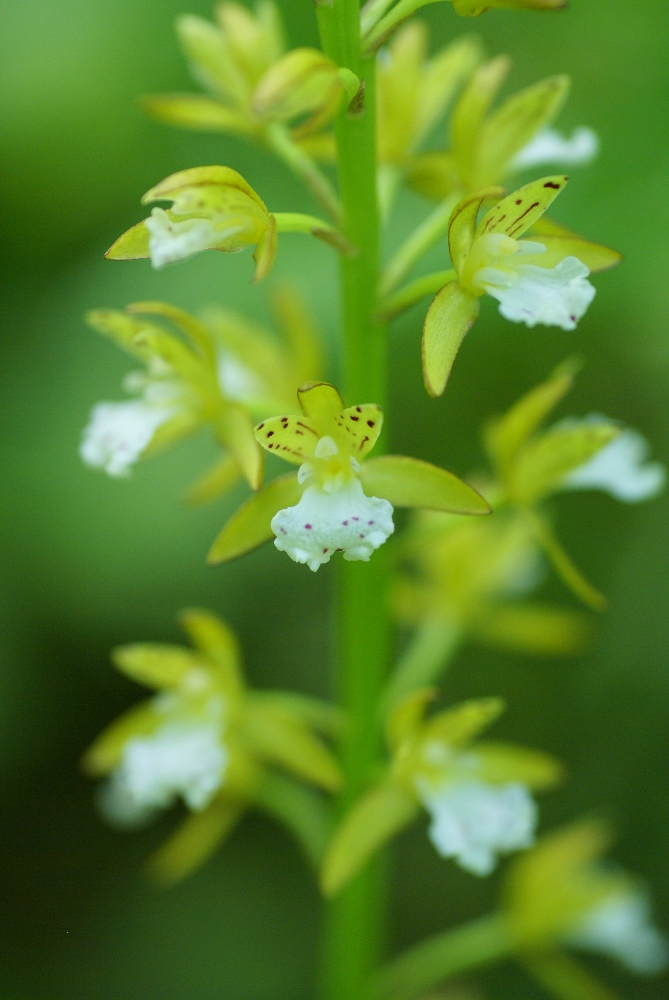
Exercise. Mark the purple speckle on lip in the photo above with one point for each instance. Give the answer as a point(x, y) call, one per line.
point(308, 527)
point(345, 523)
point(370, 522)
point(362, 536)
point(283, 531)
point(356, 518)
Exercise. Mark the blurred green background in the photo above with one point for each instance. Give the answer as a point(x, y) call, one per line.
point(89, 562)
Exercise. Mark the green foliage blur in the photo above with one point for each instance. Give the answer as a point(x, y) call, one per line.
point(89, 563)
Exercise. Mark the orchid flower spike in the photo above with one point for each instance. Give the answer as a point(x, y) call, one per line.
point(487, 147)
point(478, 795)
point(540, 280)
point(213, 208)
point(561, 895)
point(337, 501)
point(205, 739)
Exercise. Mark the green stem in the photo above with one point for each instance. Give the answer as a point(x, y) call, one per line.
point(413, 292)
point(441, 957)
point(429, 652)
point(355, 919)
point(420, 241)
point(281, 144)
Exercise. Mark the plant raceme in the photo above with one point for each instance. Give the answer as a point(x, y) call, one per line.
point(371, 102)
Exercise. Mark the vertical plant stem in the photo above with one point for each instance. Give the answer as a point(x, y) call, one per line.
point(354, 922)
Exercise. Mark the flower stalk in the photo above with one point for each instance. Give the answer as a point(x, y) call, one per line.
point(354, 920)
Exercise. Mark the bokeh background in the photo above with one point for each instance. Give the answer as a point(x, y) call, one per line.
point(88, 563)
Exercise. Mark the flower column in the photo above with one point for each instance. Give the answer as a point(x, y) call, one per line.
point(355, 919)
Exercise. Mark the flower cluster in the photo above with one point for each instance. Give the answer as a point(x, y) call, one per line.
point(207, 740)
point(478, 795)
point(219, 371)
point(337, 501)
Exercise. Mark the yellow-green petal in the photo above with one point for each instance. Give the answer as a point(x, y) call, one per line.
point(195, 841)
point(234, 429)
point(133, 244)
point(196, 111)
point(470, 112)
point(505, 435)
point(514, 124)
point(410, 482)
point(542, 465)
point(460, 724)
point(373, 820)
point(217, 642)
point(595, 256)
point(320, 401)
point(406, 716)
point(249, 526)
point(265, 251)
point(516, 213)
point(462, 224)
point(451, 315)
point(502, 762)
point(106, 751)
point(155, 664)
point(278, 737)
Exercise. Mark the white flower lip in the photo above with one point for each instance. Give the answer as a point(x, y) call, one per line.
point(620, 926)
point(557, 296)
point(186, 760)
point(548, 146)
point(473, 821)
point(117, 434)
point(621, 469)
point(171, 241)
point(323, 522)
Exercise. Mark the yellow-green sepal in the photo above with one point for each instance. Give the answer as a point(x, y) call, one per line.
point(501, 762)
point(234, 429)
point(406, 716)
point(194, 329)
point(548, 887)
point(194, 841)
point(249, 526)
point(458, 725)
point(542, 465)
point(279, 737)
point(515, 123)
point(208, 51)
point(156, 665)
point(120, 328)
point(505, 436)
point(374, 819)
point(264, 254)
point(469, 114)
point(410, 482)
point(302, 82)
point(215, 483)
point(561, 242)
point(196, 111)
point(451, 315)
point(203, 177)
point(133, 244)
point(462, 224)
point(534, 629)
point(302, 810)
point(106, 751)
point(516, 213)
point(218, 643)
